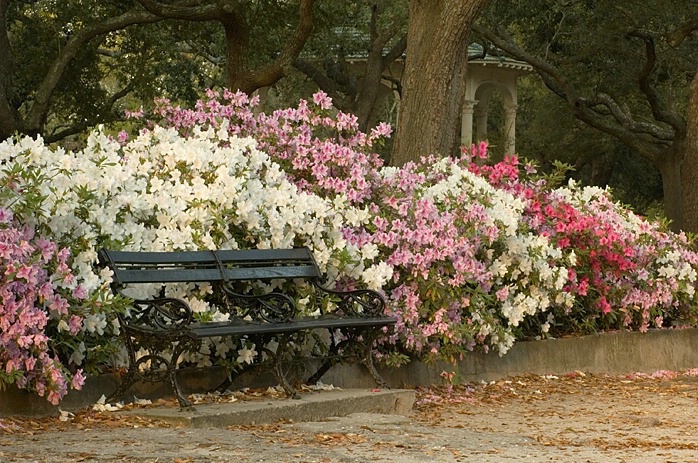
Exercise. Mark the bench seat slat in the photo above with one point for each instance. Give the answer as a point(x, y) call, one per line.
point(206, 257)
point(189, 275)
point(238, 329)
point(173, 275)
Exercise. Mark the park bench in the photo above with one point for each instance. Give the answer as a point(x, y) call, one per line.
point(160, 329)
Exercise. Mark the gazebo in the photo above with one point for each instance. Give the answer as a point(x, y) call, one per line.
point(485, 76)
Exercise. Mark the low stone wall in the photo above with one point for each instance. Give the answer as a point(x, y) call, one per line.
point(613, 353)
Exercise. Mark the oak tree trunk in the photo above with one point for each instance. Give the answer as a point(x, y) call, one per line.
point(10, 121)
point(434, 78)
point(689, 166)
point(671, 168)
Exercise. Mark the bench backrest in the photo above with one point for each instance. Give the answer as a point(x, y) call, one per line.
point(210, 266)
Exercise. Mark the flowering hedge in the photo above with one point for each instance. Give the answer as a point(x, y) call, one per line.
point(480, 254)
point(162, 191)
point(470, 255)
point(41, 300)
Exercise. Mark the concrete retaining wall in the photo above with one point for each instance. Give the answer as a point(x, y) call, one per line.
point(613, 353)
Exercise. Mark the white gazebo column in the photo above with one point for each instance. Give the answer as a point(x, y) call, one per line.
point(466, 131)
point(481, 113)
point(510, 128)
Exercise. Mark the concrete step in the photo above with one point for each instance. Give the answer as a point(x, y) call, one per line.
point(313, 406)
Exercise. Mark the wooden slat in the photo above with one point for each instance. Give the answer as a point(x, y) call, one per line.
point(269, 273)
point(260, 256)
point(168, 275)
point(155, 258)
point(200, 266)
point(210, 329)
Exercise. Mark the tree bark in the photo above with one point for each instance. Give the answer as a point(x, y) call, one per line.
point(237, 44)
point(10, 120)
point(689, 166)
point(230, 14)
point(434, 78)
point(268, 75)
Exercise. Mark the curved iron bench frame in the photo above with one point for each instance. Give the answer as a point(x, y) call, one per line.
point(164, 324)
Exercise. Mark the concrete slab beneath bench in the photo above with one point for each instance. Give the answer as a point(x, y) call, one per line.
point(315, 406)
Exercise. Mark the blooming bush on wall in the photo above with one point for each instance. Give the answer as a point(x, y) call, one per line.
point(438, 228)
point(165, 192)
point(42, 303)
point(469, 255)
point(476, 259)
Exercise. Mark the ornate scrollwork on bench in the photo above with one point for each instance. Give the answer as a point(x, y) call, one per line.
point(271, 307)
point(159, 330)
point(363, 303)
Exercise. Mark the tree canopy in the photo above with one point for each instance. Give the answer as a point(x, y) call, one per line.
point(622, 70)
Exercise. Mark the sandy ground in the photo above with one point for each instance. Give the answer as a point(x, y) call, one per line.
point(572, 418)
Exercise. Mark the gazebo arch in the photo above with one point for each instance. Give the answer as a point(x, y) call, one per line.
point(483, 77)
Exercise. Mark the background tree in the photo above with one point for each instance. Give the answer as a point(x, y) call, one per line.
point(249, 68)
point(433, 82)
point(616, 71)
point(350, 56)
point(50, 71)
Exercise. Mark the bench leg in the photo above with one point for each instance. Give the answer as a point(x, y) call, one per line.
point(184, 404)
point(153, 372)
point(329, 362)
point(131, 374)
point(278, 371)
point(125, 384)
point(367, 361)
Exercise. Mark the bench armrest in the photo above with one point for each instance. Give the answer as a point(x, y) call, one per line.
point(271, 307)
point(360, 303)
point(163, 314)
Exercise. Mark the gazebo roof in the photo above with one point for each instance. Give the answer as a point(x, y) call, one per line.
point(492, 58)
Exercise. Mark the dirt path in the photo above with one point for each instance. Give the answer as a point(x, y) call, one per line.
point(574, 418)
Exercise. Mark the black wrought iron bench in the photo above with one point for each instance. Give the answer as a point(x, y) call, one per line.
point(159, 330)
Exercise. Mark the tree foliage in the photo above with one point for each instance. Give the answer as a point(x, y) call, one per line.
point(66, 66)
point(620, 69)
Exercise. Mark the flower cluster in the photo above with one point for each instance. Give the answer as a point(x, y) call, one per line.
point(629, 272)
point(625, 272)
point(470, 255)
point(35, 288)
point(162, 191)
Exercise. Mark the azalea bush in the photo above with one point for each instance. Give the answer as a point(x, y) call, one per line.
point(470, 255)
point(163, 192)
point(436, 227)
point(630, 273)
point(41, 299)
point(479, 253)
point(627, 272)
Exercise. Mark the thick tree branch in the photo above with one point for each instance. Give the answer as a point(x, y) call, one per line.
point(396, 51)
point(324, 83)
point(625, 119)
point(271, 73)
point(658, 107)
point(649, 148)
point(681, 33)
point(39, 109)
point(191, 10)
